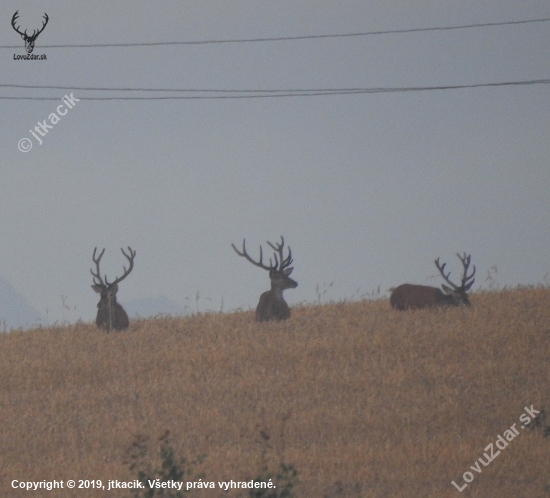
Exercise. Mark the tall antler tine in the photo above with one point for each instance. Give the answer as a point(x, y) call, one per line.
point(93, 275)
point(288, 260)
point(97, 274)
point(13, 20)
point(281, 249)
point(244, 254)
point(274, 247)
point(261, 264)
point(467, 280)
point(130, 257)
point(281, 262)
point(441, 268)
point(131, 254)
point(101, 255)
point(237, 251)
point(465, 259)
point(36, 32)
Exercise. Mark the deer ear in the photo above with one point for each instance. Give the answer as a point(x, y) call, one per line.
point(288, 271)
point(97, 288)
point(448, 290)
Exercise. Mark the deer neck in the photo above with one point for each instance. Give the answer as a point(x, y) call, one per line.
point(277, 292)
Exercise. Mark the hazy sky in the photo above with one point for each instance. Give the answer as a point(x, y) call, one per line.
point(367, 189)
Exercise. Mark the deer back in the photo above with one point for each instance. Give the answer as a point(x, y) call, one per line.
point(409, 296)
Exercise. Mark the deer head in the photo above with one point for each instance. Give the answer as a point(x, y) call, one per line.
point(29, 40)
point(110, 314)
point(459, 293)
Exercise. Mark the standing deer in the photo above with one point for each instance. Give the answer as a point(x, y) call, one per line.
point(110, 314)
point(29, 39)
point(409, 296)
point(272, 306)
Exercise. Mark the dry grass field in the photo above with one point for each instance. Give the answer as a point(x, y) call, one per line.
point(377, 403)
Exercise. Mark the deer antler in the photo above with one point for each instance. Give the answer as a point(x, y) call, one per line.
point(280, 263)
point(97, 274)
point(13, 19)
point(465, 285)
point(130, 257)
point(279, 248)
point(37, 32)
point(259, 264)
point(465, 277)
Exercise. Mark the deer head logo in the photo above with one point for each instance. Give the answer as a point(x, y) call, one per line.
point(29, 39)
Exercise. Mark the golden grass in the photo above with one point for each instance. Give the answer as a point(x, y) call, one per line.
point(383, 403)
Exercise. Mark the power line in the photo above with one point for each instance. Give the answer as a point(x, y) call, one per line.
point(283, 90)
point(291, 38)
point(251, 94)
point(87, 88)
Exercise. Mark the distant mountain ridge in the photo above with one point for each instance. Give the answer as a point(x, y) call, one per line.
point(15, 310)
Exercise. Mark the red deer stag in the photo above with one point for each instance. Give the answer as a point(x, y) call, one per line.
point(409, 296)
point(272, 306)
point(110, 314)
point(29, 39)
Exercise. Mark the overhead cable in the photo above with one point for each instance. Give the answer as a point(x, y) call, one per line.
point(290, 38)
point(252, 94)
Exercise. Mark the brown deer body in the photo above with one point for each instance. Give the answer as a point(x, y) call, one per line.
point(272, 306)
point(410, 296)
point(110, 314)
